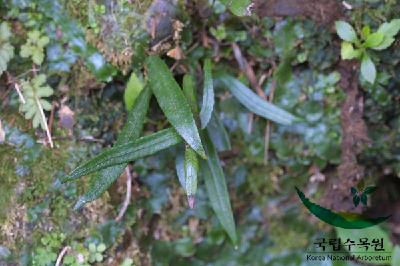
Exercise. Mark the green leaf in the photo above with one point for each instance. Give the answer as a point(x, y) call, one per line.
point(173, 102)
point(189, 89)
point(345, 31)
point(33, 92)
point(356, 200)
point(128, 152)
point(208, 95)
point(180, 167)
point(366, 31)
point(364, 198)
point(389, 30)
point(130, 132)
point(132, 91)
point(370, 190)
point(6, 49)
point(255, 103)
point(353, 191)
point(348, 52)
point(368, 70)
point(101, 247)
point(238, 7)
point(34, 47)
point(217, 190)
point(374, 40)
point(374, 232)
point(218, 134)
point(191, 170)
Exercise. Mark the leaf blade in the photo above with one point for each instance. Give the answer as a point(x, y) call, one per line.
point(256, 104)
point(191, 171)
point(208, 95)
point(130, 132)
point(217, 190)
point(368, 70)
point(132, 91)
point(345, 31)
point(128, 152)
point(173, 102)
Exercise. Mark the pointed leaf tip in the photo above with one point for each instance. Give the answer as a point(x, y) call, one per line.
point(191, 201)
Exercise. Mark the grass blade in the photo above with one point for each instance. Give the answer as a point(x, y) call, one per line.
point(130, 132)
point(256, 104)
point(217, 190)
point(128, 152)
point(208, 95)
point(172, 101)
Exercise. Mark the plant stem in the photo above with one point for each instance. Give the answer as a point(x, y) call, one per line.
point(128, 195)
point(44, 122)
point(61, 255)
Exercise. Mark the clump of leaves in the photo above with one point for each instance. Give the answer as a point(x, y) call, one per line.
point(181, 110)
point(34, 91)
point(354, 47)
point(46, 253)
point(96, 252)
point(34, 47)
point(6, 49)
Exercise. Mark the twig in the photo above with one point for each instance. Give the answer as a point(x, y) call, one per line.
point(20, 95)
point(268, 126)
point(44, 122)
point(128, 195)
point(51, 118)
point(247, 70)
point(85, 138)
point(62, 254)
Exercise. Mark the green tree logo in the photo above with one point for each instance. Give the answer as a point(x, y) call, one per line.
point(361, 196)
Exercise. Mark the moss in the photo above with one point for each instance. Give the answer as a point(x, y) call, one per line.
point(9, 179)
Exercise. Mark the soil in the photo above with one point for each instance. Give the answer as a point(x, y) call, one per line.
point(321, 11)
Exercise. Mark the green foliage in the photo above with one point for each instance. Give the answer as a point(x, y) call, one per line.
point(255, 104)
point(34, 47)
point(132, 91)
point(96, 252)
point(208, 95)
point(238, 7)
point(173, 102)
point(128, 152)
point(130, 132)
point(191, 170)
point(46, 253)
point(217, 190)
point(355, 48)
point(6, 49)
point(34, 91)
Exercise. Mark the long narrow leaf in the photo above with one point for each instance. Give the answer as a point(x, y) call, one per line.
point(130, 132)
point(218, 134)
point(255, 103)
point(208, 95)
point(180, 166)
point(217, 190)
point(128, 152)
point(173, 102)
point(189, 89)
point(191, 170)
